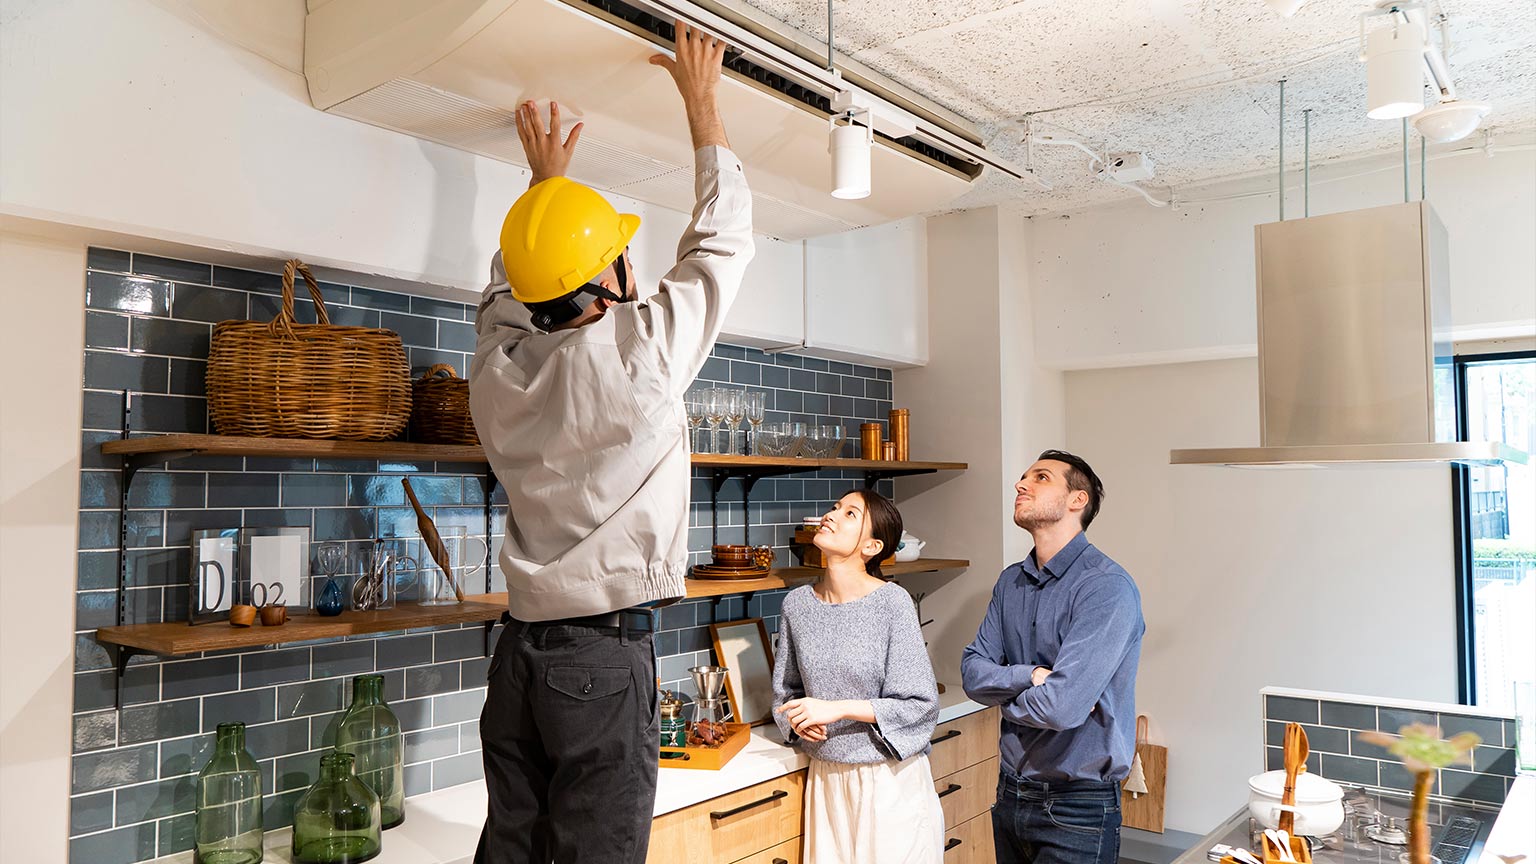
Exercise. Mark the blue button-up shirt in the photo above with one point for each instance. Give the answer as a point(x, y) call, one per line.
point(1080, 616)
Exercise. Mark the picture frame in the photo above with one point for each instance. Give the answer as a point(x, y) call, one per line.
point(214, 577)
point(274, 568)
point(742, 647)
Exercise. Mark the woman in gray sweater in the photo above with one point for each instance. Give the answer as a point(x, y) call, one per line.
point(853, 687)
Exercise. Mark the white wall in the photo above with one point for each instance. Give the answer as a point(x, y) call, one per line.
point(980, 400)
point(1335, 580)
point(41, 283)
point(1129, 284)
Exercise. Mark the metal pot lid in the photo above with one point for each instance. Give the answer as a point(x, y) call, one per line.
point(1310, 788)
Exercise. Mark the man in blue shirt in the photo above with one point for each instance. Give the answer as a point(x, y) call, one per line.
point(1058, 651)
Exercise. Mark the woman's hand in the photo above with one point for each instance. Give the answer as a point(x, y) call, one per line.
point(807, 713)
point(547, 157)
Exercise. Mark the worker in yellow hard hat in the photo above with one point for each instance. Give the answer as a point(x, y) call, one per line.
point(576, 391)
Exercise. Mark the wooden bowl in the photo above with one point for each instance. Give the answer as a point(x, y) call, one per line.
point(241, 615)
point(271, 616)
point(732, 554)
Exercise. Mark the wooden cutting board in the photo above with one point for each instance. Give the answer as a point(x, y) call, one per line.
point(1146, 811)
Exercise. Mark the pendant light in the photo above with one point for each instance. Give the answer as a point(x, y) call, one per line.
point(850, 145)
point(1394, 70)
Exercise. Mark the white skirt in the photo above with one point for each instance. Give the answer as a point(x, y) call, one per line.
point(880, 813)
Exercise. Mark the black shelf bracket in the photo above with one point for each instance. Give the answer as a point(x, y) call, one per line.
point(873, 476)
point(488, 488)
point(749, 476)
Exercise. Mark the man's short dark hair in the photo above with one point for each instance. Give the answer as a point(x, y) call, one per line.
point(1080, 478)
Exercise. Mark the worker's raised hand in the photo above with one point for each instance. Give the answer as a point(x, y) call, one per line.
point(696, 71)
point(547, 156)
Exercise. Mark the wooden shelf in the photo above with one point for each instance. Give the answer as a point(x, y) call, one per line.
point(168, 447)
point(789, 577)
point(177, 638)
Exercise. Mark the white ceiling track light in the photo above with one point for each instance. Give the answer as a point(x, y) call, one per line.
point(850, 144)
point(1400, 58)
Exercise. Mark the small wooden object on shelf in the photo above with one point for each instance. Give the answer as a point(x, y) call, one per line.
point(708, 758)
point(273, 615)
point(241, 615)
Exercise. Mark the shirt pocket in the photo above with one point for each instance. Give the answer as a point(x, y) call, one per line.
point(588, 683)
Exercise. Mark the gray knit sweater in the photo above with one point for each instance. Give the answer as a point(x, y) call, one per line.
point(869, 648)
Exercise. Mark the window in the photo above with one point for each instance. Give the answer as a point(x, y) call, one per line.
point(1496, 528)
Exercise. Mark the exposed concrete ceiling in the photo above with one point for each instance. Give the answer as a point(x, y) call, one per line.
point(1192, 83)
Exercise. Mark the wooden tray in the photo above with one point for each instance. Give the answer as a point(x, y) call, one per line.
point(708, 758)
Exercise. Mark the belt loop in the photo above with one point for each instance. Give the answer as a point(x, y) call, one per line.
point(623, 628)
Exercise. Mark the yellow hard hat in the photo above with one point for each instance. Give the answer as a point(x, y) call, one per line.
point(559, 236)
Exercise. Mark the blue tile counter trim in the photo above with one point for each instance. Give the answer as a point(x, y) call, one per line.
point(1333, 723)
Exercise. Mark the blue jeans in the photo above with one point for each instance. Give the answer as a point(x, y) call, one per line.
point(1074, 822)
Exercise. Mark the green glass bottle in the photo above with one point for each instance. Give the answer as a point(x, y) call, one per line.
point(228, 818)
point(371, 732)
point(337, 820)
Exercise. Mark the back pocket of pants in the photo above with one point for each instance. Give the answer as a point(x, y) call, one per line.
point(587, 683)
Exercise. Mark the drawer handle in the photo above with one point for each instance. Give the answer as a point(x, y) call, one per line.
point(726, 814)
point(953, 733)
point(951, 844)
point(780, 861)
point(953, 788)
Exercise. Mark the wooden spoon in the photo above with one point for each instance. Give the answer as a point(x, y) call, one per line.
point(1296, 751)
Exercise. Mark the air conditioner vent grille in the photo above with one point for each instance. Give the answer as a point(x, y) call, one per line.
point(662, 29)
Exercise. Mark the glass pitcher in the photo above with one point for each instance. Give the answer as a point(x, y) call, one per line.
point(432, 588)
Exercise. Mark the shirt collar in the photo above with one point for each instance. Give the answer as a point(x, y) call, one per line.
point(1059, 563)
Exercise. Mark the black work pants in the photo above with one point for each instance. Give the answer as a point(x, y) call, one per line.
point(570, 740)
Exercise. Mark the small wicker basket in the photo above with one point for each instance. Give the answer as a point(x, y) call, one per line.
point(440, 408)
point(289, 380)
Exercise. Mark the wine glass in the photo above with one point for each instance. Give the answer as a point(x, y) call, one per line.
point(693, 403)
point(756, 403)
point(735, 409)
point(714, 411)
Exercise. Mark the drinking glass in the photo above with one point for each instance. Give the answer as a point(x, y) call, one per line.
point(735, 410)
point(831, 442)
point(796, 440)
point(693, 403)
point(715, 399)
point(757, 402)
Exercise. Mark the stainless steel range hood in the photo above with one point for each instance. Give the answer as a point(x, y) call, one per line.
point(1355, 362)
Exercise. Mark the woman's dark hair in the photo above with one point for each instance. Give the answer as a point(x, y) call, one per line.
point(884, 525)
point(1080, 478)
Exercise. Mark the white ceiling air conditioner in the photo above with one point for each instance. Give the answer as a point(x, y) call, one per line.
point(453, 71)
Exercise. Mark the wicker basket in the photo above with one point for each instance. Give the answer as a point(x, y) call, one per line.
point(289, 380)
point(440, 408)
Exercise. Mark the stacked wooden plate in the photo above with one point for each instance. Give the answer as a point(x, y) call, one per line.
point(729, 571)
point(736, 562)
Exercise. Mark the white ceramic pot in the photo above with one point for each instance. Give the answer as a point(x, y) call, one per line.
point(1319, 802)
point(910, 548)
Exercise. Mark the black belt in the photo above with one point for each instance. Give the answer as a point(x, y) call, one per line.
point(633, 620)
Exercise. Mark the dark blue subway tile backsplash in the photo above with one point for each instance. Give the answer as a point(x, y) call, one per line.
point(148, 324)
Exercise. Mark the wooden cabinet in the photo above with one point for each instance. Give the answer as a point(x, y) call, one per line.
point(732, 827)
point(964, 741)
point(970, 842)
point(762, 824)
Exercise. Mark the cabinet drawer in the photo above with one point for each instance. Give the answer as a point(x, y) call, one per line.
point(969, 792)
point(732, 826)
point(970, 842)
point(787, 852)
point(964, 741)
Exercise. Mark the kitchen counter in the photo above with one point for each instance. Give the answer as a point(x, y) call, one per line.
point(443, 827)
point(1513, 832)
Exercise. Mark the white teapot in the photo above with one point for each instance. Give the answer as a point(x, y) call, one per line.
point(910, 548)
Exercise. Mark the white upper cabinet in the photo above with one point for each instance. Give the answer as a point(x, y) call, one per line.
point(770, 310)
point(866, 295)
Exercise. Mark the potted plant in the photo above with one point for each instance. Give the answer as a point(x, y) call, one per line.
point(1423, 752)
